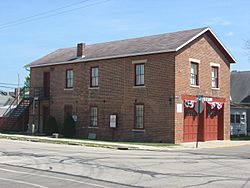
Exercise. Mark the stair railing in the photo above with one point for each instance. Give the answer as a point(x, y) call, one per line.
point(13, 104)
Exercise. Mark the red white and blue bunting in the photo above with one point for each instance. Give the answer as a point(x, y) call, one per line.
point(189, 103)
point(213, 105)
point(217, 105)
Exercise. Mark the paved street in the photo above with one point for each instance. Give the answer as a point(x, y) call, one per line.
point(29, 164)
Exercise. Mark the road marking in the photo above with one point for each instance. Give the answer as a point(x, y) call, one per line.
point(23, 182)
point(53, 177)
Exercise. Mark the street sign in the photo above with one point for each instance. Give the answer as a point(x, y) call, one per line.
point(199, 107)
point(207, 99)
point(199, 97)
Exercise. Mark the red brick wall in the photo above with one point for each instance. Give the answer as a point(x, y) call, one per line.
point(116, 95)
point(204, 50)
point(166, 80)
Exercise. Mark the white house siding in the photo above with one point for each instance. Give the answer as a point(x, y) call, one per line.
point(239, 122)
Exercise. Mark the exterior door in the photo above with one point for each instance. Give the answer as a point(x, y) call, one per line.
point(45, 118)
point(190, 125)
point(46, 83)
point(212, 118)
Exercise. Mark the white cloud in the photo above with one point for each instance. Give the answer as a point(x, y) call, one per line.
point(229, 34)
point(218, 21)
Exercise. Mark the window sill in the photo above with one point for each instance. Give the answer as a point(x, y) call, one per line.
point(94, 87)
point(139, 86)
point(194, 86)
point(217, 89)
point(68, 89)
point(138, 130)
point(89, 127)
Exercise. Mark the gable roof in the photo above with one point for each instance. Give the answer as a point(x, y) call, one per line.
point(168, 42)
point(240, 87)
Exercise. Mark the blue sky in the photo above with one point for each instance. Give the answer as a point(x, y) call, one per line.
point(112, 20)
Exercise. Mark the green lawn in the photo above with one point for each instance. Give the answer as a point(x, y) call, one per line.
point(240, 137)
point(131, 143)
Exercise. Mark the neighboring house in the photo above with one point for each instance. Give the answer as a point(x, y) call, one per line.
point(6, 98)
point(240, 102)
point(146, 85)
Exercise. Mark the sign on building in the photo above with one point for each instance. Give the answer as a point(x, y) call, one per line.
point(112, 121)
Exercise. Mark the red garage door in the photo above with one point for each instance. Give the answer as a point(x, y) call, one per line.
point(190, 125)
point(212, 118)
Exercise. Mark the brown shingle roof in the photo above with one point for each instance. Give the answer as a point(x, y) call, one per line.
point(145, 45)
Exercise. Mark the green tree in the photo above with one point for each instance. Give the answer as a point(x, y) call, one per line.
point(26, 86)
point(69, 127)
point(51, 126)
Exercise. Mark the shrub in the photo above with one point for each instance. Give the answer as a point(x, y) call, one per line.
point(69, 127)
point(51, 126)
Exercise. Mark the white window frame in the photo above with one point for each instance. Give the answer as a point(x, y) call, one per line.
point(218, 76)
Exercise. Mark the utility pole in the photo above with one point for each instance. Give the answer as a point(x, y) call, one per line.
point(18, 88)
point(199, 108)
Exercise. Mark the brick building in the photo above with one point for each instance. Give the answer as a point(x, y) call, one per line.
point(149, 83)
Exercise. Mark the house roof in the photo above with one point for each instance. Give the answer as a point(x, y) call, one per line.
point(240, 87)
point(168, 42)
point(239, 105)
point(5, 100)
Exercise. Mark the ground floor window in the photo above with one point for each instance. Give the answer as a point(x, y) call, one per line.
point(139, 116)
point(93, 116)
point(236, 118)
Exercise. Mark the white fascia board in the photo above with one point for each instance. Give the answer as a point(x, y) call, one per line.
point(192, 39)
point(201, 33)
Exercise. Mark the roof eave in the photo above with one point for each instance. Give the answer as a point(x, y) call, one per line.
point(100, 58)
point(201, 33)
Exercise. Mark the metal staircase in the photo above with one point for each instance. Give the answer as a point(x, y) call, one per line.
point(16, 113)
point(16, 116)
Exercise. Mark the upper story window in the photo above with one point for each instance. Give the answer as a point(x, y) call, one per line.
point(69, 78)
point(139, 74)
point(94, 77)
point(93, 116)
point(139, 116)
point(194, 74)
point(215, 75)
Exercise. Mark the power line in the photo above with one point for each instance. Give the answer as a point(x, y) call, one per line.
point(42, 13)
point(10, 84)
point(7, 87)
point(51, 15)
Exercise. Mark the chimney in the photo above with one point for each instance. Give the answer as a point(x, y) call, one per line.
point(80, 49)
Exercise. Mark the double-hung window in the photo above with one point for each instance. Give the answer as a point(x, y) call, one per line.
point(94, 77)
point(139, 116)
point(69, 78)
point(194, 74)
point(139, 74)
point(93, 116)
point(215, 75)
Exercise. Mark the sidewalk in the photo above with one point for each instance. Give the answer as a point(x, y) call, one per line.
point(124, 146)
point(90, 143)
point(215, 144)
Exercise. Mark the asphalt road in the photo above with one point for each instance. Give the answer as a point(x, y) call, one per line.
point(29, 164)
